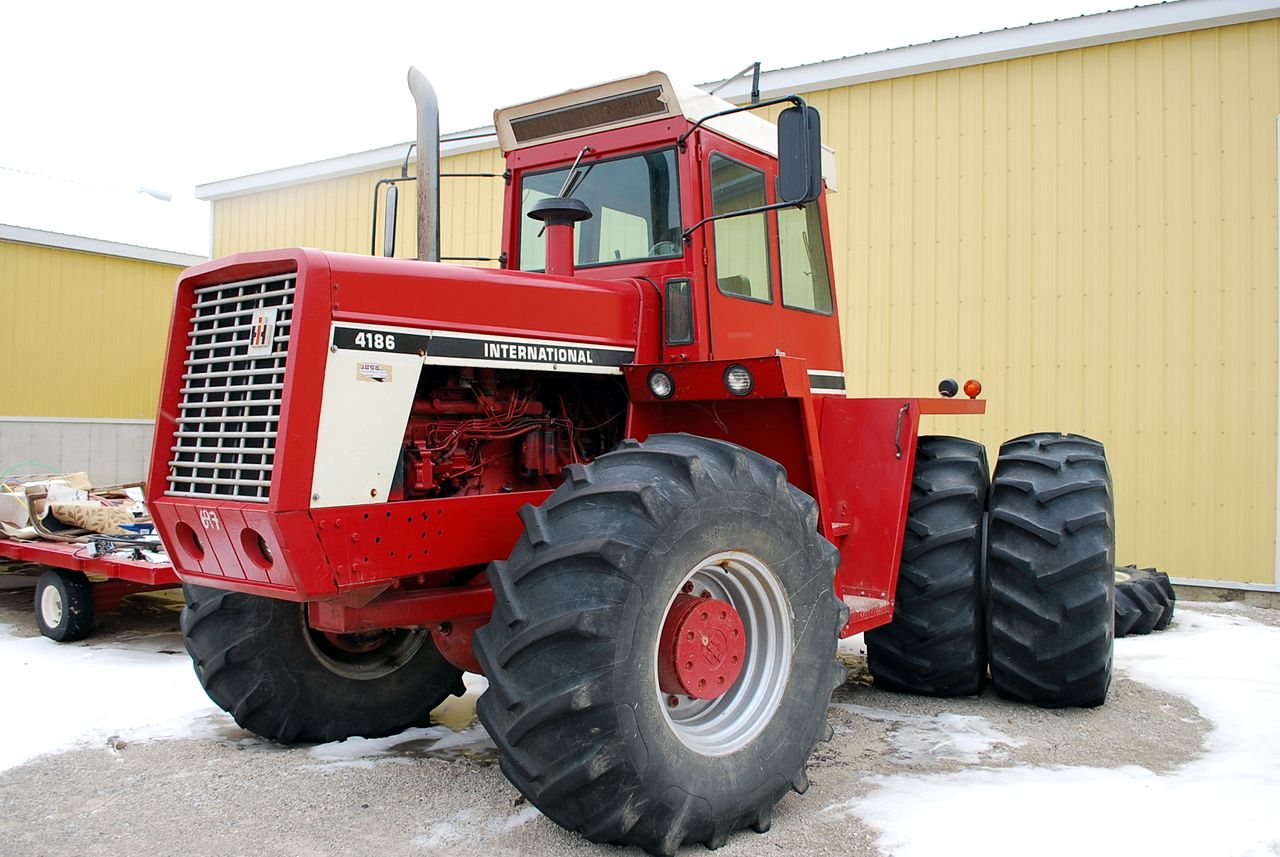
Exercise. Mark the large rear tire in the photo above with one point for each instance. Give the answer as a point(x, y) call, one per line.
point(1051, 572)
point(935, 644)
point(261, 662)
point(574, 702)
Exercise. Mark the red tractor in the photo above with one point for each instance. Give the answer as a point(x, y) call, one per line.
point(620, 477)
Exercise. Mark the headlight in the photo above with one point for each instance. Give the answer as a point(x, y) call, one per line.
point(661, 384)
point(738, 380)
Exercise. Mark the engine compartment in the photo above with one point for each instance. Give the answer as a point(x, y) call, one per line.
point(485, 431)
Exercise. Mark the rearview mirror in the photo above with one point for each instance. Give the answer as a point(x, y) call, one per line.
point(389, 229)
point(799, 155)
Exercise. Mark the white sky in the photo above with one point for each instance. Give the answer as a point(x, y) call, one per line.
point(171, 94)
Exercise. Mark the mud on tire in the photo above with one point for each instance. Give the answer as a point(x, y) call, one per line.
point(1050, 571)
point(573, 700)
point(259, 661)
point(935, 644)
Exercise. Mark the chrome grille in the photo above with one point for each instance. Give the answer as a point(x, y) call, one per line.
point(225, 442)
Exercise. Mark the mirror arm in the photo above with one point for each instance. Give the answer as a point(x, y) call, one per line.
point(791, 99)
point(775, 206)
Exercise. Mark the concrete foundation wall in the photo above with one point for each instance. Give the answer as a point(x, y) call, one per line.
point(110, 451)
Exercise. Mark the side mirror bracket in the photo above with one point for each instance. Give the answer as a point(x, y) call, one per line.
point(799, 157)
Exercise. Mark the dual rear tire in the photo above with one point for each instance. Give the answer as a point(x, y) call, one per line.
point(1019, 576)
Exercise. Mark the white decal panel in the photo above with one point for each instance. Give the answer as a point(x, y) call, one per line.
point(362, 421)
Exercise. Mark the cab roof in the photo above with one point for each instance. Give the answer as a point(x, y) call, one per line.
point(633, 101)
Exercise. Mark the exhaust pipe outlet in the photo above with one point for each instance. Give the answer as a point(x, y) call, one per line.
point(424, 96)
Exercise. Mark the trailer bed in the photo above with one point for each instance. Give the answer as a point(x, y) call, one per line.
point(73, 556)
point(76, 586)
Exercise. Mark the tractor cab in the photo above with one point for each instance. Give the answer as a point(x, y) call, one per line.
point(706, 202)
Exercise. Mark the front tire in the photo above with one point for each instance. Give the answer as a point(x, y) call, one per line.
point(935, 644)
point(64, 605)
point(1051, 572)
point(575, 701)
point(258, 659)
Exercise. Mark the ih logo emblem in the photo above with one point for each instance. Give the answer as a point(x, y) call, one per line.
point(262, 332)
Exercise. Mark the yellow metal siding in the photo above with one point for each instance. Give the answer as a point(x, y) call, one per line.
point(335, 214)
point(84, 334)
point(1093, 234)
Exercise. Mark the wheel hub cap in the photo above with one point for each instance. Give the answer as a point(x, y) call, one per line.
point(702, 647)
point(51, 607)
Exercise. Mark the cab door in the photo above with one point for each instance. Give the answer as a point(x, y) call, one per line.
point(741, 277)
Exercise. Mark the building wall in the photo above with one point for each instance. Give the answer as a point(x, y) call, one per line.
point(1092, 233)
point(336, 214)
point(84, 334)
point(81, 350)
point(110, 451)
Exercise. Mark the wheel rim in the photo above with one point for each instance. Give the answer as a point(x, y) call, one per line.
point(719, 726)
point(364, 657)
point(51, 606)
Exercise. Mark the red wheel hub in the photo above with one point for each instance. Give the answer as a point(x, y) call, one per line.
point(702, 647)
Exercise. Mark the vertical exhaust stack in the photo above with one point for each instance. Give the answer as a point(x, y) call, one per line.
point(424, 96)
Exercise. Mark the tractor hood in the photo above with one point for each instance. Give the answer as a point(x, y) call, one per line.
point(509, 316)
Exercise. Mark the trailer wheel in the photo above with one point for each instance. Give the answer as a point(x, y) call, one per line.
point(663, 645)
point(1144, 600)
point(261, 662)
point(935, 644)
point(1051, 572)
point(64, 605)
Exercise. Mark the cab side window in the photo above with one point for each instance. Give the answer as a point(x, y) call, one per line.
point(742, 243)
point(806, 282)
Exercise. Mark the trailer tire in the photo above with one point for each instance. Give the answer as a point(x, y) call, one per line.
point(1144, 600)
point(936, 643)
point(259, 660)
point(64, 605)
point(574, 703)
point(1051, 572)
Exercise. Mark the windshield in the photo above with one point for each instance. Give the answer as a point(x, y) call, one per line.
point(635, 209)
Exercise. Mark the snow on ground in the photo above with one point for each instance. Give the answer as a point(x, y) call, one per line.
point(58, 696)
point(1225, 802)
point(959, 737)
point(440, 741)
point(447, 835)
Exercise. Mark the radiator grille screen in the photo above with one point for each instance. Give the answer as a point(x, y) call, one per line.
point(225, 442)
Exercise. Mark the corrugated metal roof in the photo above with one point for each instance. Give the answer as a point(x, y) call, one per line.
point(1037, 38)
point(131, 224)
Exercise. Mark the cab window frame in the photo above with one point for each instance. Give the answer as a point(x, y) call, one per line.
point(813, 215)
point(764, 215)
point(521, 223)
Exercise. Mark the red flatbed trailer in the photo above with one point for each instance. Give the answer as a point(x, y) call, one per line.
point(66, 599)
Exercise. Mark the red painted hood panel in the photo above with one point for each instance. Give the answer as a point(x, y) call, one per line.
point(484, 300)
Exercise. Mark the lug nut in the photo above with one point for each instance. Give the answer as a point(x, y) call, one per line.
point(672, 701)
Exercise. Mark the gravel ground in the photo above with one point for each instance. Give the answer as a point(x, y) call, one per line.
point(233, 794)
